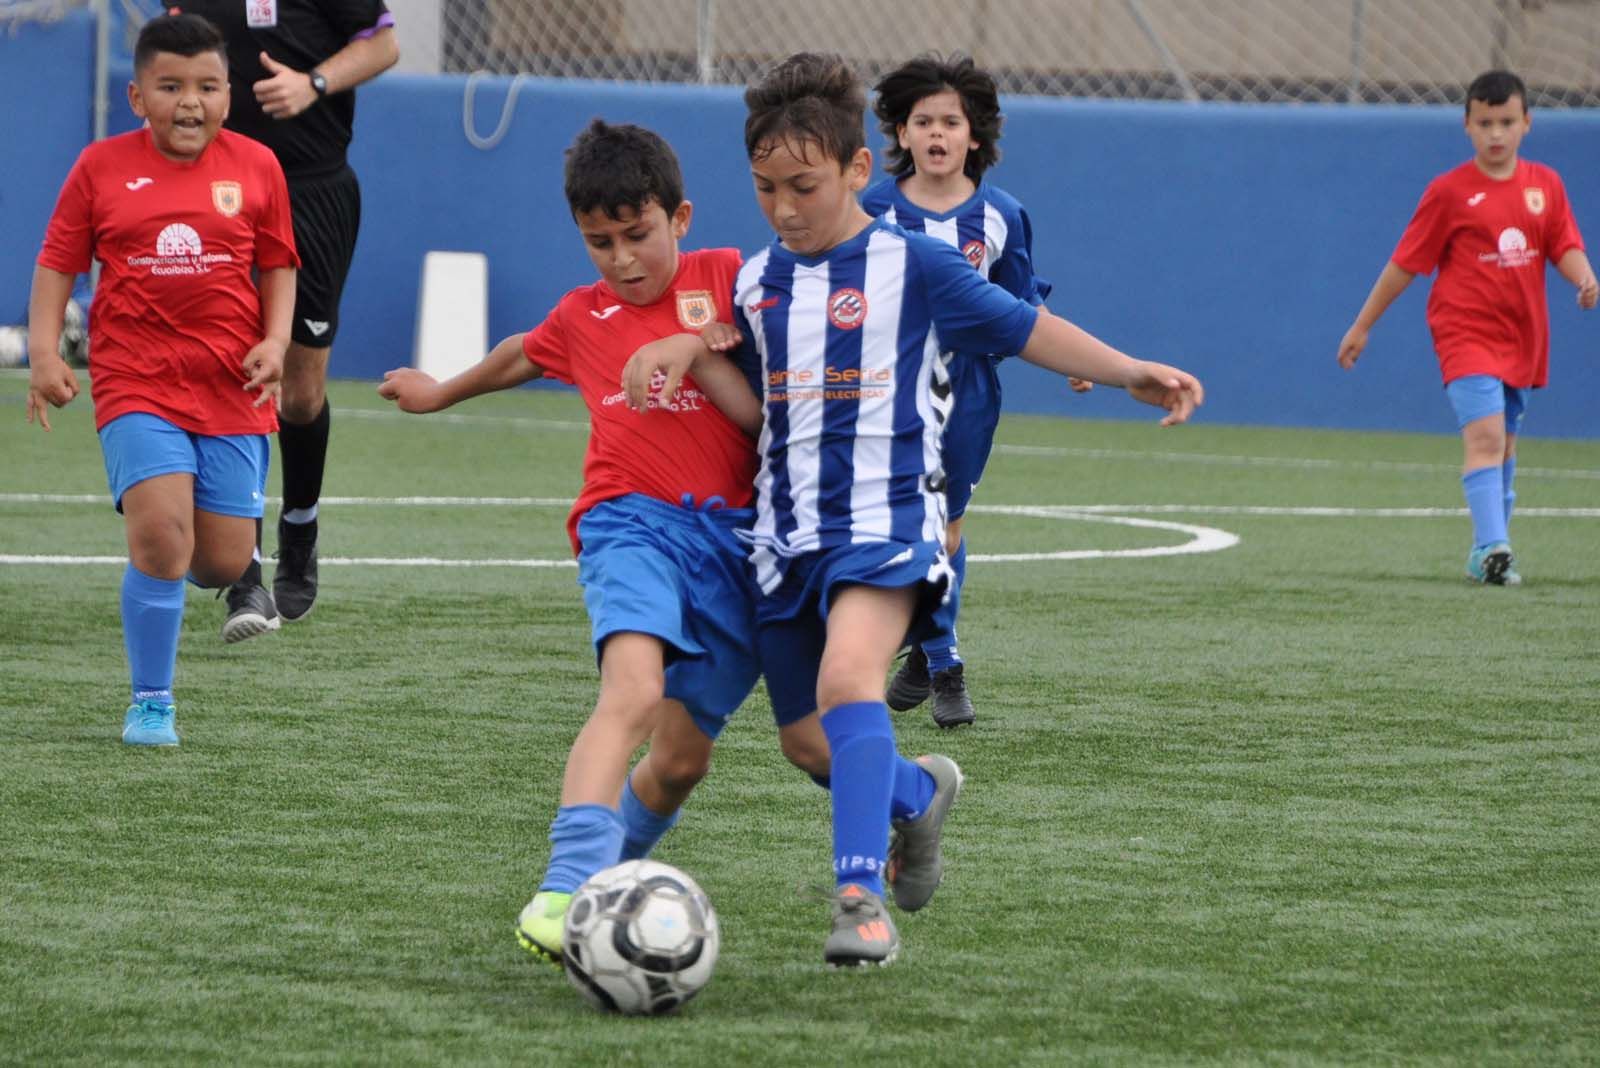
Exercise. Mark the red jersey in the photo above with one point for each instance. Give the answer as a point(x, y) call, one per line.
point(176, 309)
point(1490, 239)
point(688, 448)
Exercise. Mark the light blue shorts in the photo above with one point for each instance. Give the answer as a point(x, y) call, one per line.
point(1477, 396)
point(678, 574)
point(230, 470)
point(969, 435)
point(793, 619)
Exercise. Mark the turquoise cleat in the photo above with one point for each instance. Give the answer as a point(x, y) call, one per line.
point(1491, 564)
point(150, 723)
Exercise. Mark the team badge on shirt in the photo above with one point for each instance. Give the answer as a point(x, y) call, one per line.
point(1533, 196)
point(973, 250)
point(260, 14)
point(227, 197)
point(697, 309)
point(847, 308)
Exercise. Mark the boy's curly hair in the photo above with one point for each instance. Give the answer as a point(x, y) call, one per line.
point(807, 98)
point(900, 90)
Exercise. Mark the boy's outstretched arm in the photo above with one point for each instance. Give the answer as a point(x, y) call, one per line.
point(504, 367)
point(1060, 346)
point(1574, 267)
point(1390, 284)
point(50, 380)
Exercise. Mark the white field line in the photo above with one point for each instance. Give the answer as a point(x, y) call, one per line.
point(1293, 462)
point(1200, 540)
point(1051, 511)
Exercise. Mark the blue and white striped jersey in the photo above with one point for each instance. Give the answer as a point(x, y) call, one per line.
point(990, 228)
point(848, 352)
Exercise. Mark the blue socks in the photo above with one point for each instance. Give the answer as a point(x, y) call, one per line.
point(152, 619)
point(641, 827)
point(941, 648)
point(584, 839)
point(913, 789)
point(862, 782)
point(1486, 500)
point(1508, 471)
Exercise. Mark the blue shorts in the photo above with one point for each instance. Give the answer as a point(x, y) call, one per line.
point(793, 619)
point(230, 470)
point(969, 435)
point(1477, 396)
point(680, 575)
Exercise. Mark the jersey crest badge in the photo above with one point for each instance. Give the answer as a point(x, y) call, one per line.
point(227, 197)
point(261, 14)
point(1533, 196)
point(974, 250)
point(847, 308)
point(697, 309)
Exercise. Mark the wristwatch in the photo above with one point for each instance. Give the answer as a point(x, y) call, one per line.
point(318, 83)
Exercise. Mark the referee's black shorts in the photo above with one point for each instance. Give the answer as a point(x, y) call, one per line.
point(327, 214)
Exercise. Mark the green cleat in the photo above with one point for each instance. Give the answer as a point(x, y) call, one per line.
point(540, 926)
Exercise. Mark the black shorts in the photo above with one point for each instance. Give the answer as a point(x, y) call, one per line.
point(327, 214)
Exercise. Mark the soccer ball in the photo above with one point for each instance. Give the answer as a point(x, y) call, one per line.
point(640, 938)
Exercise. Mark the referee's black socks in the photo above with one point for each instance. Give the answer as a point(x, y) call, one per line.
point(304, 451)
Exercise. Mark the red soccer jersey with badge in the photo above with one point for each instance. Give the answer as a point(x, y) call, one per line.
point(687, 448)
point(176, 309)
point(1490, 239)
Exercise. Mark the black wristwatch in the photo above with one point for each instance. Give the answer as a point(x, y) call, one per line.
point(318, 83)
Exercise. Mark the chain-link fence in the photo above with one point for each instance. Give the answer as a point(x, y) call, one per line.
point(1268, 51)
point(1263, 51)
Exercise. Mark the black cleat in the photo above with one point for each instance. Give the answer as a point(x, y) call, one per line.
point(250, 612)
point(294, 582)
point(951, 705)
point(910, 685)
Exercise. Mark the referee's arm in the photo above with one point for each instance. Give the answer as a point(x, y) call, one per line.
point(287, 92)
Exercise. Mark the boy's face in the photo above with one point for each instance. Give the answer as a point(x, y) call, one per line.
point(806, 196)
point(938, 135)
point(184, 99)
point(1496, 131)
point(637, 252)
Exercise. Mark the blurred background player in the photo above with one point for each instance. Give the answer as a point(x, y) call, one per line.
point(666, 584)
point(294, 65)
point(179, 214)
point(838, 316)
point(942, 120)
point(1489, 226)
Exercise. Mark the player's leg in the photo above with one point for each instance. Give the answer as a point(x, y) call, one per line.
point(1516, 407)
point(326, 214)
point(935, 666)
point(712, 664)
point(1479, 403)
point(586, 834)
point(678, 759)
point(150, 468)
point(865, 626)
point(304, 418)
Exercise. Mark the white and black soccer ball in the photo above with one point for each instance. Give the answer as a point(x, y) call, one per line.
point(640, 938)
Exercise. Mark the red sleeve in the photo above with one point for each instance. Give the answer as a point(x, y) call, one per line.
point(275, 226)
point(1422, 245)
point(546, 347)
point(69, 239)
point(1562, 235)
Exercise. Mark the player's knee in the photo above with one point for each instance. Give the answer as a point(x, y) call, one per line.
point(807, 755)
point(630, 697)
point(161, 547)
point(681, 769)
point(215, 568)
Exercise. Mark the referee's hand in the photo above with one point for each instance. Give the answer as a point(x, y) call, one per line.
point(286, 92)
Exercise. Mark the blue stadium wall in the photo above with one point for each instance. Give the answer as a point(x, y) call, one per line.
point(1237, 241)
